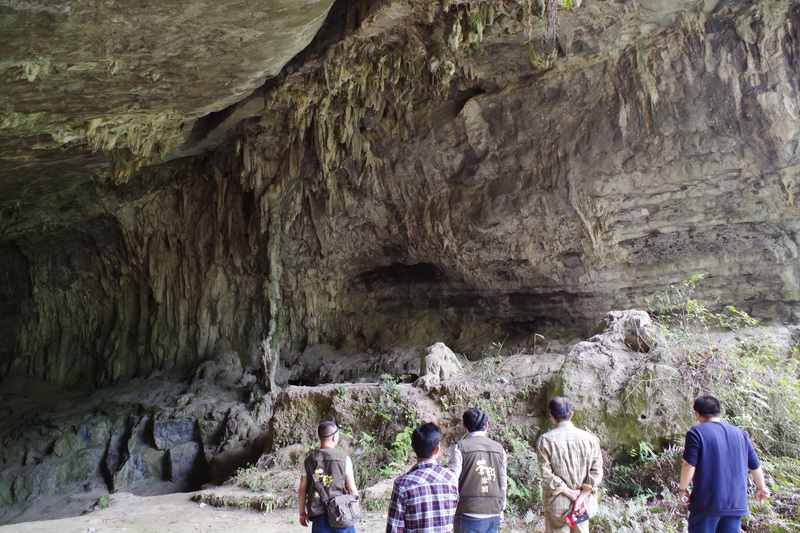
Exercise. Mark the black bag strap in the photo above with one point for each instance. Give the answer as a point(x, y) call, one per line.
point(320, 488)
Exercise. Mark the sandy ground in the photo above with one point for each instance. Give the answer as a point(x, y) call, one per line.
point(177, 513)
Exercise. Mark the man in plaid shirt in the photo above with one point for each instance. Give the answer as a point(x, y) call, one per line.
point(424, 500)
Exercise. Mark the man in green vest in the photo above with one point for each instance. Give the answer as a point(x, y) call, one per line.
point(334, 469)
point(480, 464)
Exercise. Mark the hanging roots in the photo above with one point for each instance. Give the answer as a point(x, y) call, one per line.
point(551, 18)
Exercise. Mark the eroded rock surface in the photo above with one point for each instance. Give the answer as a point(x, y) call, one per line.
point(438, 364)
point(424, 171)
point(148, 436)
point(88, 85)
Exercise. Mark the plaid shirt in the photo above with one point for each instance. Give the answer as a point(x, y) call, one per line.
point(424, 500)
point(569, 457)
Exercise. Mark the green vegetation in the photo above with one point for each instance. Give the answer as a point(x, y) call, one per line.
point(259, 488)
point(723, 352)
point(387, 448)
point(755, 377)
point(253, 478)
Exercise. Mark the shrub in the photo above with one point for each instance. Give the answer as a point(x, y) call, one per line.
point(648, 474)
point(754, 376)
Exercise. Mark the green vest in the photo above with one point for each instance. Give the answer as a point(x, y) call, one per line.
point(479, 490)
point(328, 466)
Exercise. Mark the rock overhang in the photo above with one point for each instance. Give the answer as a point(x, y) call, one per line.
point(538, 189)
point(93, 85)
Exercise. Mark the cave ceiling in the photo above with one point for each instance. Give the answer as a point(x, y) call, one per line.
point(85, 83)
point(94, 90)
point(380, 173)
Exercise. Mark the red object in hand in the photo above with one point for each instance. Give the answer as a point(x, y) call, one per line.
point(573, 519)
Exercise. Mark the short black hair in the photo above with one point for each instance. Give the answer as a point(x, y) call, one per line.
point(327, 430)
point(707, 406)
point(474, 419)
point(425, 439)
point(560, 408)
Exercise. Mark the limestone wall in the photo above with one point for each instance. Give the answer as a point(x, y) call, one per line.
point(435, 171)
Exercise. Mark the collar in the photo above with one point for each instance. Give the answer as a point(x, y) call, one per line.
point(476, 434)
point(427, 463)
point(565, 424)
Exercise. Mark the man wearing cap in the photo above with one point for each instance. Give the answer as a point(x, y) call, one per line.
point(572, 468)
point(334, 470)
point(480, 464)
point(716, 460)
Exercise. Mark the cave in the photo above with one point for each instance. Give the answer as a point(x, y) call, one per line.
point(300, 193)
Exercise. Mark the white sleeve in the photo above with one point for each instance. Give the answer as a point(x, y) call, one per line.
point(455, 461)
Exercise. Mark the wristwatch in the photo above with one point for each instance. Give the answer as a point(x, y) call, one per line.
point(684, 495)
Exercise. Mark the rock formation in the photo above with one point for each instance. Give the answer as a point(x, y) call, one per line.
point(90, 86)
point(206, 192)
point(424, 170)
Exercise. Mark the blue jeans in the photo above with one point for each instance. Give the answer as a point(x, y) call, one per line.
point(319, 524)
point(468, 524)
point(706, 523)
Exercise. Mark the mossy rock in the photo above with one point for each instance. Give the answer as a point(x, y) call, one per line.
point(361, 407)
point(147, 464)
point(625, 402)
point(51, 476)
point(6, 490)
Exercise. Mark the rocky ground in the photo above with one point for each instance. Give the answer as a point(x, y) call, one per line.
point(176, 513)
point(179, 513)
point(634, 381)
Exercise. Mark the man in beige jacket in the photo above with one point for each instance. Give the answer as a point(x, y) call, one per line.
point(572, 469)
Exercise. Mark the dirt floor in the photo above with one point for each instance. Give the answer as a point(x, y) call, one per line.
point(177, 513)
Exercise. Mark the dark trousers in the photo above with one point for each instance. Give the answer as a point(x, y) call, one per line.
point(320, 524)
point(467, 524)
point(705, 523)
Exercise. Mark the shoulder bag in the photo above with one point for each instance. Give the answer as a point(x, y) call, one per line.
point(343, 510)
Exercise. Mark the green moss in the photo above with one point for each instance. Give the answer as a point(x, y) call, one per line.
point(6, 491)
point(259, 502)
point(21, 123)
point(294, 423)
point(28, 69)
point(66, 444)
point(280, 324)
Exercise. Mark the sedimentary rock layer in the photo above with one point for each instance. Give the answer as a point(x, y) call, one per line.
point(434, 171)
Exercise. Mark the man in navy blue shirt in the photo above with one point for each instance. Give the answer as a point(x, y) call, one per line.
point(716, 461)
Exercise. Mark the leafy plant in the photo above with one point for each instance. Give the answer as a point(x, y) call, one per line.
point(385, 449)
point(252, 478)
point(755, 377)
point(649, 473)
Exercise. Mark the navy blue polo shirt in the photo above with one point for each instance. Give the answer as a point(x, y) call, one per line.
point(722, 456)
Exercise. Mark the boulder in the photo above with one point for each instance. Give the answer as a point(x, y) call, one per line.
point(438, 364)
point(621, 395)
point(135, 458)
point(632, 329)
point(168, 433)
point(225, 369)
point(182, 460)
